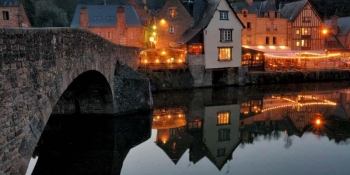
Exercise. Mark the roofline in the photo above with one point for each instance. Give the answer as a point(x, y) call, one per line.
point(312, 8)
point(234, 12)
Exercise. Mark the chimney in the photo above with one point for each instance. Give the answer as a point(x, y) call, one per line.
point(272, 4)
point(334, 24)
point(121, 22)
point(84, 17)
point(250, 2)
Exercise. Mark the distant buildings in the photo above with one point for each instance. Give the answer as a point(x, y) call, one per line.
point(13, 14)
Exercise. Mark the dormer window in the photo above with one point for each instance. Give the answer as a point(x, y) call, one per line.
point(245, 13)
point(223, 15)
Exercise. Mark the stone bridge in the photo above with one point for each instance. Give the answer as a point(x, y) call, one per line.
point(60, 70)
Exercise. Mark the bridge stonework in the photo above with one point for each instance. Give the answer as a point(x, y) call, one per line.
point(38, 65)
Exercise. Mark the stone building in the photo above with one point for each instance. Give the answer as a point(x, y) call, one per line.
point(13, 14)
point(172, 21)
point(118, 23)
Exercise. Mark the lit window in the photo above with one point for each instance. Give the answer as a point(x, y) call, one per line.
point(307, 19)
point(297, 43)
point(297, 31)
point(223, 15)
point(5, 15)
point(225, 35)
point(225, 53)
point(305, 31)
point(224, 134)
point(172, 13)
point(171, 29)
point(305, 43)
point(223, 118)
point(197, 124)
point(195, 48)
point(221, 152)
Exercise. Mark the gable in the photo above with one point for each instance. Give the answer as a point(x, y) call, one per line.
point(308, 12)
point(233, 19)
point(176, 4)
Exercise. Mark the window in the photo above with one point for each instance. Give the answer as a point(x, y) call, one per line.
point(110, 35)
point(224, 134)
point(195, 48)
point(297, 43)
point(267, 26)
point(223, 118)
point(225, 35)
point(5, 15)
point(97, 18)
point(223, 15)
point(267, 40)
point(249, 25)
point(171, 30)
point(305, 31)
point(274, 40)
point(245, 13)
point(221, 152)
point(109, 18)
point(197, 124)
point(297, 31)
point(225, 53)
point(275, 26)
point(249, 39)
point(172, 12)
point(307, 19)
point(305, 43)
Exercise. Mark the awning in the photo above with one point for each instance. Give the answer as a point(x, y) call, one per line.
point(286, 52)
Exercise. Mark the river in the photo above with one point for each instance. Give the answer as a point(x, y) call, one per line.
point(277, 129)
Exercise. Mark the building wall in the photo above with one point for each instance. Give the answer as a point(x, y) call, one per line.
point(119, 34)
point(182, 21)
point(17, 17)
point(315, 24)
point(271, 27)
point(252, 18)
point(212, 39)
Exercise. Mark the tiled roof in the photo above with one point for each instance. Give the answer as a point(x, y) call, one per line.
point(258, 8)
point(344, 25)
point(203, 21)
point(9, 3)
point(291, 10)
point(106, 15)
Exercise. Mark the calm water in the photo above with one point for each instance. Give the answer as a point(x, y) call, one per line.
point(291, 129)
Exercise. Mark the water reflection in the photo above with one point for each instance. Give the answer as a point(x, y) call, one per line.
point(89, 144)
point(257, 130)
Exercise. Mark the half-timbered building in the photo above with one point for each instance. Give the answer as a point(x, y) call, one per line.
point(304, 26)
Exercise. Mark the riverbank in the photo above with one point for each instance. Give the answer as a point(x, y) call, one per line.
point(184, 79)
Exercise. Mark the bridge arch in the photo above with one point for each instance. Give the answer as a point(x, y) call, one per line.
point(40, 67)
point(90, 92)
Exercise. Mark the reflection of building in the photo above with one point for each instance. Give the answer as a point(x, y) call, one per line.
point(220, 133)
point(13, 14)
point(171, 136)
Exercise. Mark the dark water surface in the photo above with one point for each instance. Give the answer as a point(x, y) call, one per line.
point(290, 129)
